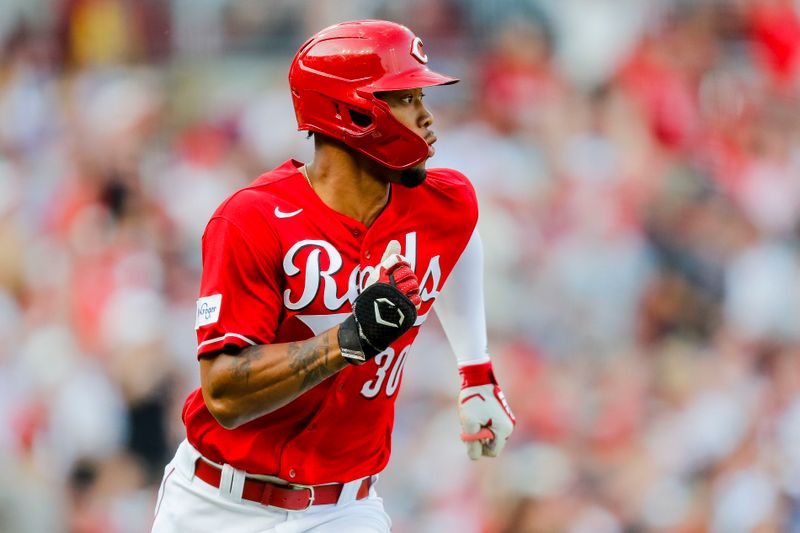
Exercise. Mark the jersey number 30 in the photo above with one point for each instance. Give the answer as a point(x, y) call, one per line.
point(387, 372)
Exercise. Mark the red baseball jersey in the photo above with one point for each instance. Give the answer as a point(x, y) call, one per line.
point(279, 265)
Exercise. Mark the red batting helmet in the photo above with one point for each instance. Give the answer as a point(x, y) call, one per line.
point(335, 75)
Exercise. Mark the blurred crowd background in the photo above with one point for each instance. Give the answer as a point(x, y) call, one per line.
point(638, 169)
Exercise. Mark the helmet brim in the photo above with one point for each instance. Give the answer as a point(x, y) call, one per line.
point(414, 79)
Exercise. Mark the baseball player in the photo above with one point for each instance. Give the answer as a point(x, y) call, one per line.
point(316, 280)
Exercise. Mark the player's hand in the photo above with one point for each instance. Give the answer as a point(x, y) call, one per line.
point(384, 311)
point(395, 270)
point(486, 418)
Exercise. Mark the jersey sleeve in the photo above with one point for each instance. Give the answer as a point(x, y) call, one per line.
point(460, 199)
point(240, 292)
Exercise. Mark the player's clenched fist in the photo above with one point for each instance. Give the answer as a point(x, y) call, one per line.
point(486, 418)
point(384, 311)
point(395, 270)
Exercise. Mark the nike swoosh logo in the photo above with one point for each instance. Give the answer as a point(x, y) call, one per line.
point(281, 214)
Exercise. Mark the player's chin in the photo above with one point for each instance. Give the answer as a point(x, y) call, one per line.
point(414, 176)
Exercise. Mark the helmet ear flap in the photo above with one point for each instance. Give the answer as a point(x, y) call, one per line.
point(318, 112)
point(389, 141)
point(355, 122)
point(360, 119)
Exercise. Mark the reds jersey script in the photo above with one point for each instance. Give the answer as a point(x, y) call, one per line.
point(278, 266)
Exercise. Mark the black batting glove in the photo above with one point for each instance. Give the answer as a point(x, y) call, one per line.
point(384, 311)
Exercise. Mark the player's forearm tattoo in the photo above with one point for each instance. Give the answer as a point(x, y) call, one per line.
point(242, 365)
point(303, 359)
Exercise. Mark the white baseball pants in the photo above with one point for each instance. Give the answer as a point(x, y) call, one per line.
point(187, 504)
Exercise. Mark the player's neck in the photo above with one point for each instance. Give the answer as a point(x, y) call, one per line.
point(349, 186)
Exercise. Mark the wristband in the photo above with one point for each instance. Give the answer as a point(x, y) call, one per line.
point(476, 375)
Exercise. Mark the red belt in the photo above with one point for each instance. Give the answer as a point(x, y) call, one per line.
point(289, 497)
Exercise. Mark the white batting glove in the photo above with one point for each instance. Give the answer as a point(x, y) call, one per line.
point(486, 418)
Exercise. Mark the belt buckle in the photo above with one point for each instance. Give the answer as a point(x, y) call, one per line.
point(310, 489)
